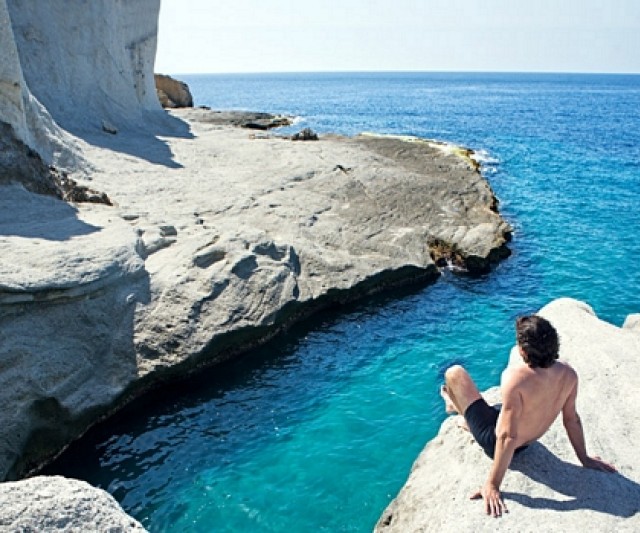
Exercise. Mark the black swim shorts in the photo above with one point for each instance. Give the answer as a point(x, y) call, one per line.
point(482, 419)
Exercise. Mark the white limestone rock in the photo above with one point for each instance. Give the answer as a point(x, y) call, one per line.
point(268, 229)
point(87, 62)
point(30, 121)
point(66, 320)
point(239, 237)
point(59, 504)
point(216, 239)
point(545, 489)
point(632, 322)
point(76, 65)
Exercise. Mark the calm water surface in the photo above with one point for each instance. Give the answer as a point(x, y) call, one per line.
point(317, 431)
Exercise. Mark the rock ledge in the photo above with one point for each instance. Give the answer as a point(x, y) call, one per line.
point(545, 488)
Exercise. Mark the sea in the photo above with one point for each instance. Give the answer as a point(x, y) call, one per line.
point(317, 430)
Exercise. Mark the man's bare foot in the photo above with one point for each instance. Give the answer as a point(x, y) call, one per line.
point(448, 404)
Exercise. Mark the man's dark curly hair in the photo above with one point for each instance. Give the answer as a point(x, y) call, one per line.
point(538, 339)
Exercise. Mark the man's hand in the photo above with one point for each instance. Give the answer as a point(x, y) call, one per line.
point(493, 503)
point(595, 463)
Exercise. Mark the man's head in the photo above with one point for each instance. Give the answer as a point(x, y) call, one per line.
point(538, 341)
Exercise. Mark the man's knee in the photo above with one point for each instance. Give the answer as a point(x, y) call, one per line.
point(455, 373)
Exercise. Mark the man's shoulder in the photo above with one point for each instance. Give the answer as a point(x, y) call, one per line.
point(520, 375)
point(514, 376)
point(516, 371)
point(566, 368)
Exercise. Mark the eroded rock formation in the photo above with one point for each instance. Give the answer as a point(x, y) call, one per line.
point(86, 62)
point(27, 119)
point(65, 273)
point(265, 231)
point(172, 93)
point(209, 240)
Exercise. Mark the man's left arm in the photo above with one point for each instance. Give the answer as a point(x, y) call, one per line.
point(506, 439)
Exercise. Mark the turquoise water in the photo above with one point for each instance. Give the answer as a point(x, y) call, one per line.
point(318, 430)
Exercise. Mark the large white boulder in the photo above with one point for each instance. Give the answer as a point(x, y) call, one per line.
point(59, 504)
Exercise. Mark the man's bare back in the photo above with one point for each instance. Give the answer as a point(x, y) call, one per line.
point(534, 393)
point(543, 391)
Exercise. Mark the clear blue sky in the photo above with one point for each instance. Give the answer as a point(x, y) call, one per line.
point(208, 36)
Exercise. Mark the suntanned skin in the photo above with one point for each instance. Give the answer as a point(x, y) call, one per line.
point(532, 398)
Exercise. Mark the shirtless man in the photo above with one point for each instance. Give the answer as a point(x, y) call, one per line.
point(533, 394)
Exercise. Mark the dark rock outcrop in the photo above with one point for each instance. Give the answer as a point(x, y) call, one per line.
point(307, 134)
point(243, 119)
point(21, 164)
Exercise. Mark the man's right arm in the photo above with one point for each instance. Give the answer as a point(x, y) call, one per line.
point(573, 426)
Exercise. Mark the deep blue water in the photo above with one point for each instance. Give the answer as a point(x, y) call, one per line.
point(318, 430)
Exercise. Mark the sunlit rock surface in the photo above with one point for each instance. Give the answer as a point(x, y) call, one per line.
point(60, 504)
point(211, 238)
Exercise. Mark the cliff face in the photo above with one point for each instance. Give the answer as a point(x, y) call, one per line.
point(88, 61)
point(27, 121)
point(72, 65)
point(12, 85)
point(545, 488)
point(66, 273)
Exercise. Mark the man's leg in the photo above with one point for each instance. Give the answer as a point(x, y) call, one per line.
point(460, 388)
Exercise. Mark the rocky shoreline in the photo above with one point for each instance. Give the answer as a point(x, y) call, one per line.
point(139, 245)
point(197, 262)
point(164, 241)
point(177, 271)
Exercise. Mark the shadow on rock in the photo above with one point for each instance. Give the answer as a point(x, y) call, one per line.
point(612, 494)
point(142, 140)
point(77, 366)
point(23, 214)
